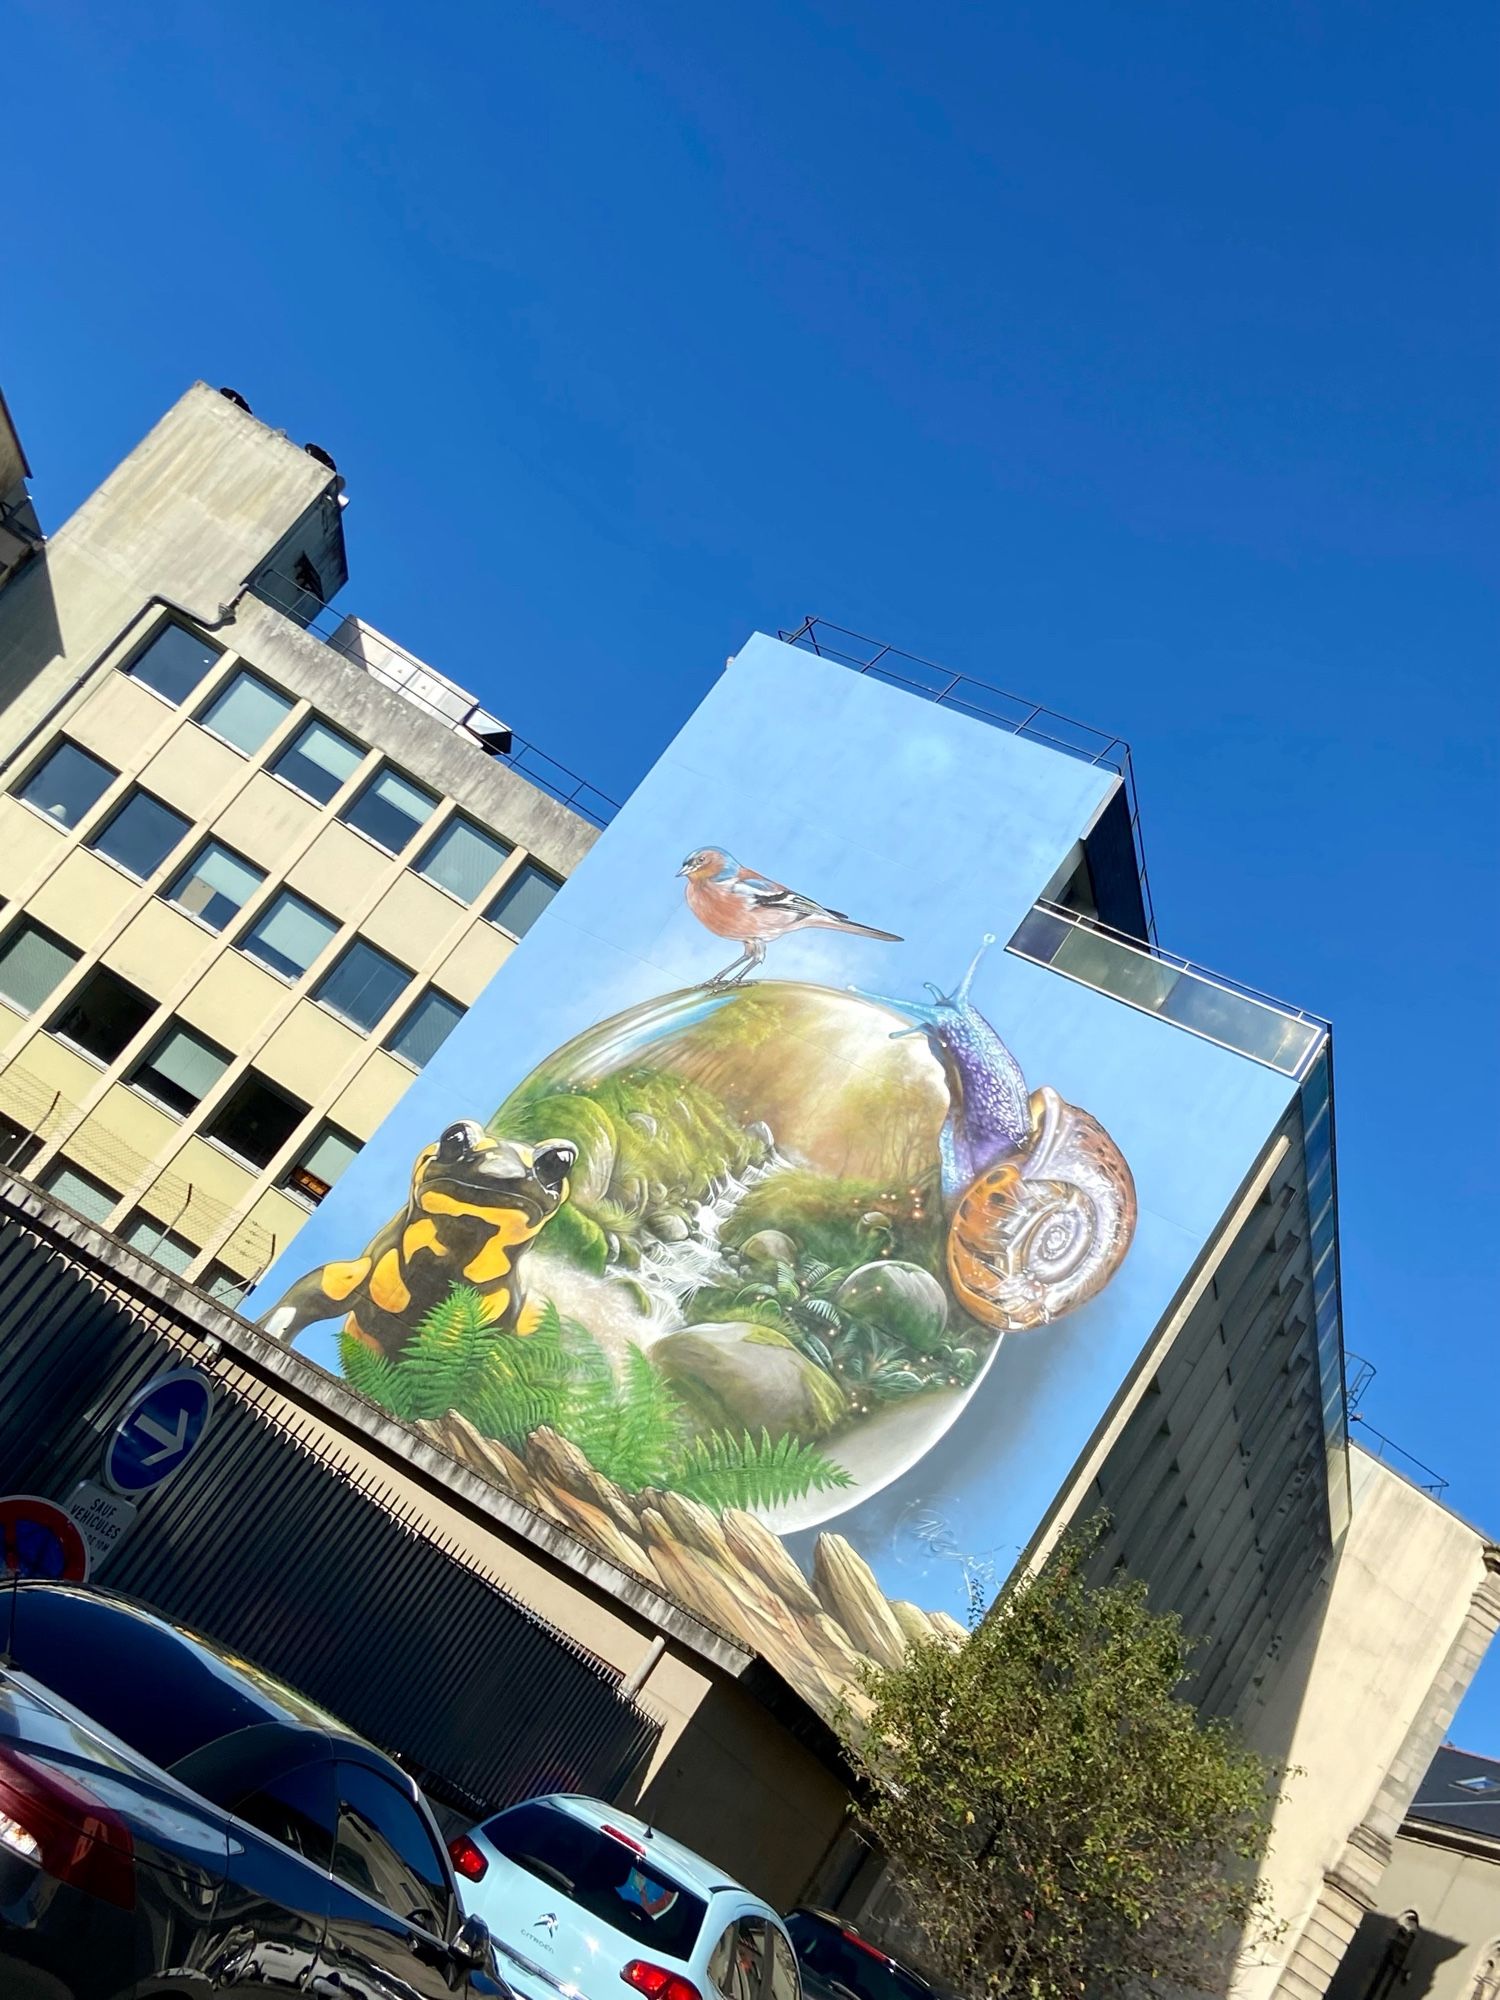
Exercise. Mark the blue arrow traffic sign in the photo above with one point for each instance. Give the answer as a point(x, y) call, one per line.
point(162, 1426)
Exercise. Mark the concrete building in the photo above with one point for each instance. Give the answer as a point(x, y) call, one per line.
point(1435, 1928)
point(255, 859)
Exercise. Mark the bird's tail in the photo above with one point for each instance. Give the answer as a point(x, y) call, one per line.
point(834, 920)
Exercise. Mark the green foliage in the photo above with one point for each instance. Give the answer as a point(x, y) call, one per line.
point(1060, 1820)
point(840, 1222)
point(629, 1425)
point(578, 1236)
point(724, 1471)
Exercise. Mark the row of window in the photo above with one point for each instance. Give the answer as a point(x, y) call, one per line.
point(391, 810)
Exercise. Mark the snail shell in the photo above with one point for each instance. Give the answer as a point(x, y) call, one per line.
point(1036, 1236)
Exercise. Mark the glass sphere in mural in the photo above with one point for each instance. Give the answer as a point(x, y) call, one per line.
point(813, 1216)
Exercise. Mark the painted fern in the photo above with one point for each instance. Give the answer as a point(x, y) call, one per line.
point(725, 1471)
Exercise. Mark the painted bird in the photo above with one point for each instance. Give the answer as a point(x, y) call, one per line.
point(735, 902)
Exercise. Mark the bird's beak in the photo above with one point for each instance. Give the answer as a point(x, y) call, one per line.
point(683, 869)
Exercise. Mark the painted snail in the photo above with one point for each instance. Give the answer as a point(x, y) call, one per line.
point(1040, 1203)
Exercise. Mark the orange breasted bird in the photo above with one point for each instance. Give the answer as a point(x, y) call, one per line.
point(735, 902)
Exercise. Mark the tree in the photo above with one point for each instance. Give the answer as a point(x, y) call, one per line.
point(1059, 1820)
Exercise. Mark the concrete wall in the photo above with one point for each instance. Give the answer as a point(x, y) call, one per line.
point(1454, 1893)
point(1356, 1710)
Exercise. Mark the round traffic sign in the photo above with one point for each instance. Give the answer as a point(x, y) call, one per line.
point(161, 1427)
point(40, 1540)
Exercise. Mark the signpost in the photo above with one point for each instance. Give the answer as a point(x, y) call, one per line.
point(163, 1424)
point(39, 1539)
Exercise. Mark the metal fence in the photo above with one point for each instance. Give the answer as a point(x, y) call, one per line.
point(301, 1560)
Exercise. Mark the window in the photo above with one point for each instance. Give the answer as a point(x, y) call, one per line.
point(141, 835)
point(523, 899)
point(32, 963)
point(831, 1958)
point(317, 761)
point(316, 1170)
point(385, 1850)
point(18, 1147)
point(737, 1967)
point(425, 1028)
point(390, 809)
point(154, 1240)
point(220, 1283)
point(299, 1809)
point(613, 1879)
point(363, 985)
point(288, 935)
point(181, 1070)
point(174, 662)
point(216, 885)
point(256, 1120)
point(462, 859)
point(79, 1191)
point(104, 1015)
point(69, 784)
point(786, 1983)
point(246, 712)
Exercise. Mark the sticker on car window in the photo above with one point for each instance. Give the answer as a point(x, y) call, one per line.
point(655, 1898)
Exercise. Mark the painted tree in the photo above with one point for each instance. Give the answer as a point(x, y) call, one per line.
point(1060, 1821)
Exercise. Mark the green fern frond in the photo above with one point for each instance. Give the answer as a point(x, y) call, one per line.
point(371, 1375)
point(725, 1471)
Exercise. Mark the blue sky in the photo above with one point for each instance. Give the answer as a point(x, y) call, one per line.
point(1138, 359)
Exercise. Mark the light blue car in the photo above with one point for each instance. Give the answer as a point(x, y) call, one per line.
point(581, 1899)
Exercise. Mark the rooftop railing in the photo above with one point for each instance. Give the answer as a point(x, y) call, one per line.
point(1380, 1446)
point(986, 703)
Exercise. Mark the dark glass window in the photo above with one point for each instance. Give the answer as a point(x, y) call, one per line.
point(141, 834)
point(68, 785)
point(523, 899)
point(316, 1169)
point(166, 1694)
point(215, 885)
point(363, 985)
point(256, 1120)
point(153, 1239)
point(390, 809)
point(385, 1850)
point(298, 1808)
point(246, 712)
point(79, 1191)
point(738, 1966)
point(32, 963)
point(174, 662)
point(611, 1880)
point(104, 1015)
point(181, 1070)
point(462, 859)
point(834, 1960)
point(317, 761)
point(425, 1029)
point(288, 935)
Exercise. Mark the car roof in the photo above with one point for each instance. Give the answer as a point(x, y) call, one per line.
point(692, 1870)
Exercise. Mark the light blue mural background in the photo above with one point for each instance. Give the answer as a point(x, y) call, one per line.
point(944, 829)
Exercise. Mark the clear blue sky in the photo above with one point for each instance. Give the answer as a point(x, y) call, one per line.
point(1139, 358)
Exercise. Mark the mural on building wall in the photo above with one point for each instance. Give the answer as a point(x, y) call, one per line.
point(725, 1265)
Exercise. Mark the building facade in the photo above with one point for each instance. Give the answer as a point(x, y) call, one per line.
point(251, 875)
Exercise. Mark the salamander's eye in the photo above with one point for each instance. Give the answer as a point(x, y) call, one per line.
point(552, 1163)
point(459, 1140)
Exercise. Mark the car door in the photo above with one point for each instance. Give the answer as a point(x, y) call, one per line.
point(272, 1912)
point(391, 1910)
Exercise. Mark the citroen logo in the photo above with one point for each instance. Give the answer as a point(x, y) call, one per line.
point(547, 1923)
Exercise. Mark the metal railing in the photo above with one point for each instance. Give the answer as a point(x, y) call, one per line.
point(1389, 1453)
point(1358, 1375)
point(1160, 982)
point(987, 703)
point(524, 757)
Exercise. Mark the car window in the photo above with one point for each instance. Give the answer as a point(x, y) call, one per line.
point(739, 1964)
point(832, 1958)
point(614, 1878)
point(785, 1985)
point(298, 1808)
point(385, 1850)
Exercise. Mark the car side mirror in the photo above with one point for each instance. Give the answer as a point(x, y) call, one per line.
point(470, 1946)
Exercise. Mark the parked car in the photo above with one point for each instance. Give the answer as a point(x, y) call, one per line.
point(168, 1811)
point(579, 1897)
point(838, 1964)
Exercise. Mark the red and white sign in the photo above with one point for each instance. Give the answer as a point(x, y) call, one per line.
point(37, 1539)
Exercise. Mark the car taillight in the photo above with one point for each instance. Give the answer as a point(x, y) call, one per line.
point(52, 1821)
point(657, 1983)
point(864, 1944)
point(466, 1858)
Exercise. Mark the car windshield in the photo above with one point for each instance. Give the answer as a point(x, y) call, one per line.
point(835, 1959)
point(156, 1687)
point(609, 1877)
